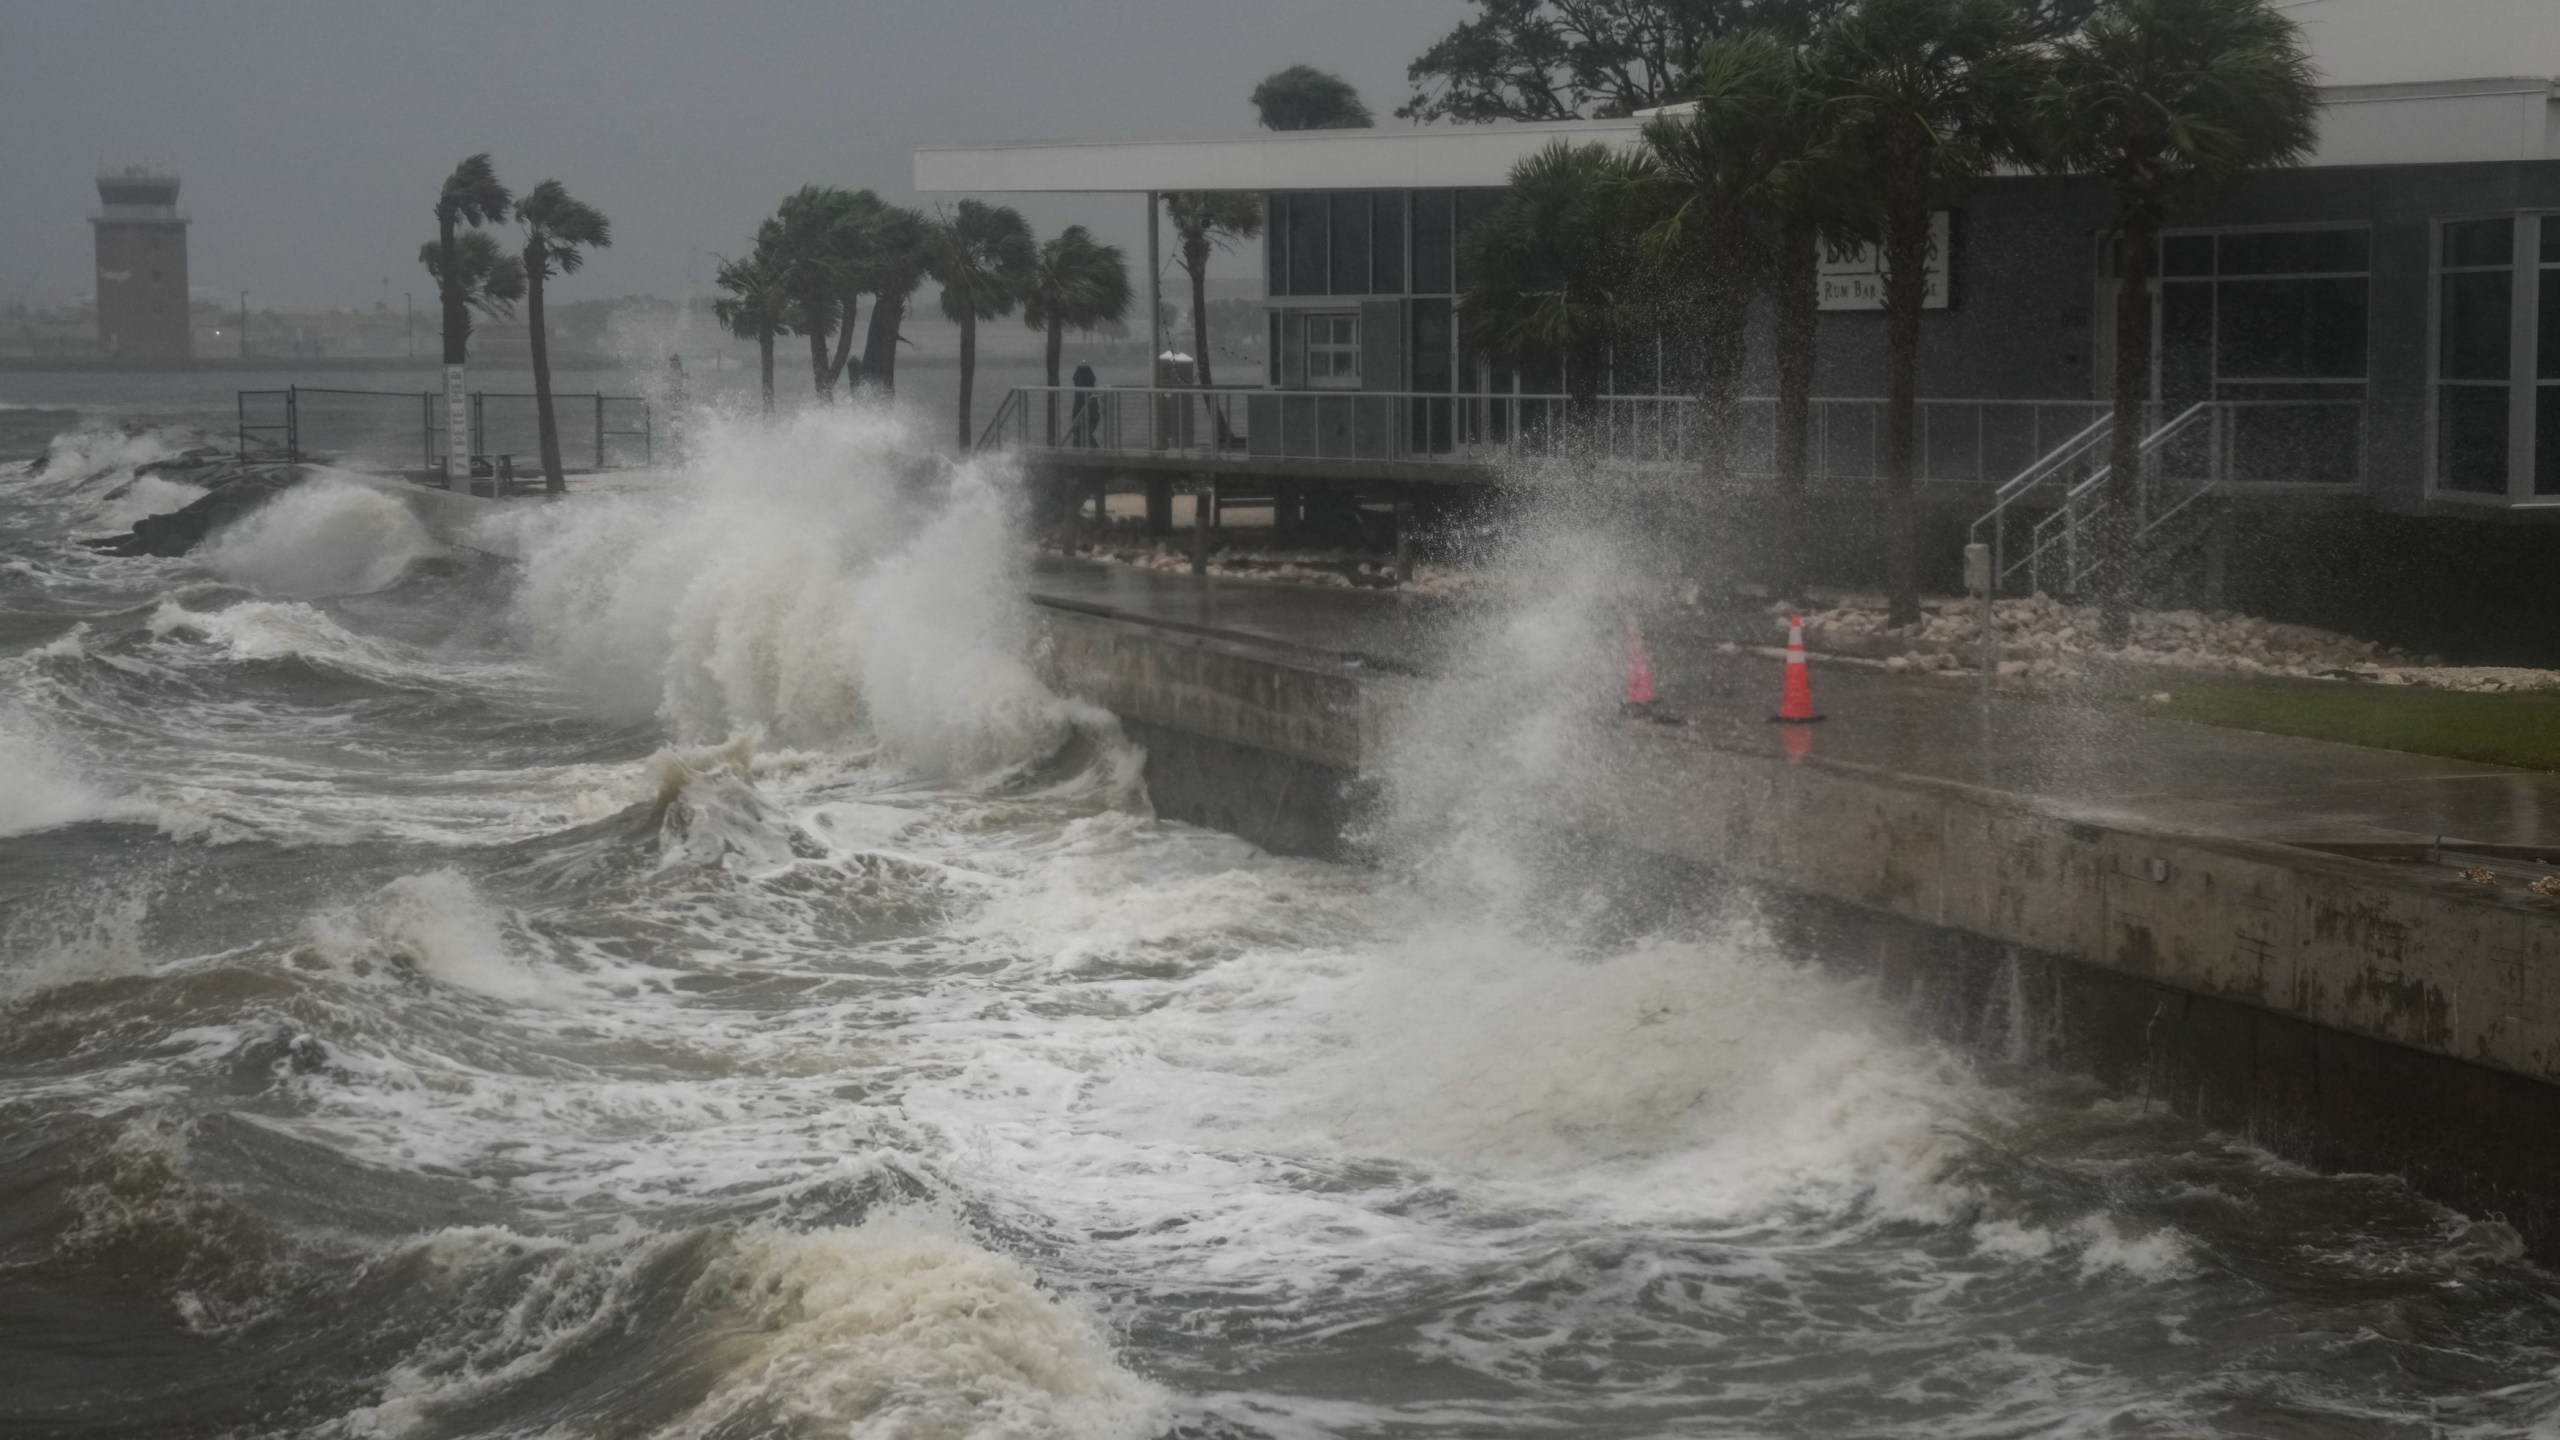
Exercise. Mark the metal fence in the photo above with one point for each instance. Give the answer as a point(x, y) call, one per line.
point(1964, 441)
point(398, 429)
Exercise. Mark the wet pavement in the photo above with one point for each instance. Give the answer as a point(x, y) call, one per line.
point(2098, 754)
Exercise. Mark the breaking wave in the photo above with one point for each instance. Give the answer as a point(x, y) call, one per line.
point(324, 537)
point(818, 578)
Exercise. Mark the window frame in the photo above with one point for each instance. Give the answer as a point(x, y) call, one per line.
point(2527, 272)
point(1333, 347)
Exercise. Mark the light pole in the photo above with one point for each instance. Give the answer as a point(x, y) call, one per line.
point(244, 324)
point(409, 332)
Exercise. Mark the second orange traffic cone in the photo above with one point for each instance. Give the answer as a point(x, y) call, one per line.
point(1795, 693)
point(1639, 667)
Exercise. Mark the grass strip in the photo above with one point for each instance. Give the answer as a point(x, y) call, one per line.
point(2518, 729)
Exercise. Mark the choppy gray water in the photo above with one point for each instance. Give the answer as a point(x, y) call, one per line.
point(700, 984)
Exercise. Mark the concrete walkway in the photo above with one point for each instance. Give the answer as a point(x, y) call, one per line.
point(2116, 763)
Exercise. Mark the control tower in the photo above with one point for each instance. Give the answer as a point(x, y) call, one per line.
point(142, 266)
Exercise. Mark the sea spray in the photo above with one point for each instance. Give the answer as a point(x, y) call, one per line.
point(818, 577)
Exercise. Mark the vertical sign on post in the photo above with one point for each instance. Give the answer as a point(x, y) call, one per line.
point(457, 432)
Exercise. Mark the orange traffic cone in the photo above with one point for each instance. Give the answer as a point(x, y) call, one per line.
point(1639, 668)
point(1795, 695)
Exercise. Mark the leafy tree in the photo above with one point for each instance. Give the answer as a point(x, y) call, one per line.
point(984, 257)
point(1568, 59)
point(558, 231)
point(2168, 102)
point(1303, 97)
point(1077, 283)
point(758, 305)
point(1556, 262)
point(1206, 221)
point(471, 196)
point(1929, 95)
point(1580, 59)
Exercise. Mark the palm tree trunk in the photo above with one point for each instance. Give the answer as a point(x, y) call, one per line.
point(1797, 274)
point(1056, 352)
point(764, 355)
point(1721, 353)
point(818, 376)
point(2120, 516)
point(968, 374)
point(546, 424)
point(1906, 288)
point(880, 343)
point(1195, 258)
point(844, 349)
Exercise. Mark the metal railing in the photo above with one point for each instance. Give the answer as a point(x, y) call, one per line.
point(2209, 449)
point(1956, 441)
point(403, 428)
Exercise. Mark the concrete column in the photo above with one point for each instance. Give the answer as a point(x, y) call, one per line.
point(1155, 283)
point(1159, 505)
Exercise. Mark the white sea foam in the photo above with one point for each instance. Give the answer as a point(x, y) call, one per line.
point(271, 630)
point(435, 925)
point(42, 784)
point(321, 538)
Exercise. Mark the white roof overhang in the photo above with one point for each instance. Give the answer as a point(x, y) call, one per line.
point(2427, 123)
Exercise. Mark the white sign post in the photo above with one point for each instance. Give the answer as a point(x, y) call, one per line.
point(457, 432)
point(1853, 273)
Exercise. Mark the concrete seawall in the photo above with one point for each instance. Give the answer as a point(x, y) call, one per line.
point(2348, 1013)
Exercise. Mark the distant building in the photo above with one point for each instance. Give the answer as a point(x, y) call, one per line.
point(142, 266)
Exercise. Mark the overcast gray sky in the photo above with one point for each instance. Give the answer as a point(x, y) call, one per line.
point(312, 133)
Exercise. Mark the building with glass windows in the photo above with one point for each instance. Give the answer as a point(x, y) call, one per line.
point(2373, 334)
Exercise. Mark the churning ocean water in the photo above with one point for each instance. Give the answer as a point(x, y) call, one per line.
point(699, 982)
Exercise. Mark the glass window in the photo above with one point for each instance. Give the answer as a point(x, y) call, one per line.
point(2479, 242)
point(1386, 242)
point(2478, 311)
point(1308, 232)
point(1473, 208)
point(2185, 255)
point(1350, 243)
point(1431, 230)
point(2546, 444)
point(2295, 252)
point(2292, 329)
point(1275, 245)
point(1433, 364)
point(1333, 350)
point(2471, 422)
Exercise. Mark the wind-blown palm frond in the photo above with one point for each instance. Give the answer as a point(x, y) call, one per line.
point(490, 280)
point(558, 229)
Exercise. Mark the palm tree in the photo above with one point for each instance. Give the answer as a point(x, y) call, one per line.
point(1929, 95)
point(1077, 283)
point(1207, 220)
point(757, 307)
point(897, 268)
point(820, 229)
point(984, 256)
point(2168, 102)
point(482, 277)
point(471, 196)
point(1716, 166)
point(558, 231)
point(1555, 262)
point(1303, 97)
